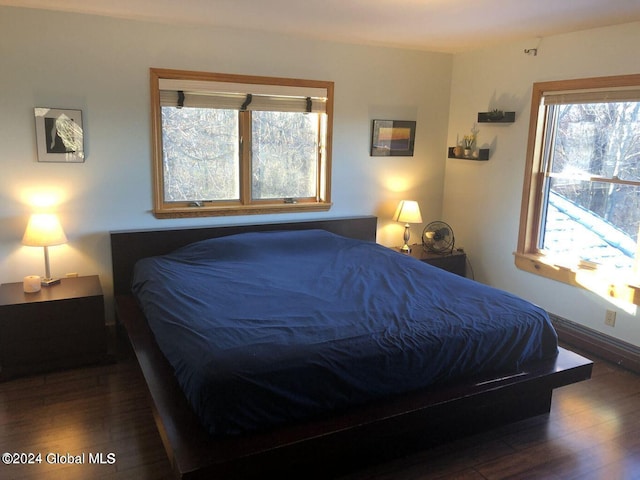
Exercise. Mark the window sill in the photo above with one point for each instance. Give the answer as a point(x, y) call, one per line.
point(604, 284)
point(229, 210)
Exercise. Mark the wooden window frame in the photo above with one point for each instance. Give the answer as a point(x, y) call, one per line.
point(528, 257)
point(245, 205)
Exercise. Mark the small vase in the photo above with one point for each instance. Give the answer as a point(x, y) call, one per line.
point(457, 151)
point(467, 152)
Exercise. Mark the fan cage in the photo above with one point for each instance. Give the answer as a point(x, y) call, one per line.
point(433, 243)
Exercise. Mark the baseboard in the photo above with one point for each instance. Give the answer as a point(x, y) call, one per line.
point(604, 346)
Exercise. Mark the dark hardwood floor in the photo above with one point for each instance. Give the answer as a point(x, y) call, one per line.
point(593, 432)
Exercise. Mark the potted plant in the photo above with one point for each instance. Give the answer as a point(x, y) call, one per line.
point(468, 142)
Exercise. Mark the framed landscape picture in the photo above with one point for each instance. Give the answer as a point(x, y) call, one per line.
point(59, 135)
point(393, 138)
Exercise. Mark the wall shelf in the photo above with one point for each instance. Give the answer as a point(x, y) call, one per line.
point(483, 155)
point(487, 117)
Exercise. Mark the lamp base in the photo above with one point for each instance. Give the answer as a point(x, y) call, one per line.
point(47, 282)
point(407, 235)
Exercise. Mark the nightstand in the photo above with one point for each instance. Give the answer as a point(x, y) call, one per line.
point(454, 262)
point(60, 326)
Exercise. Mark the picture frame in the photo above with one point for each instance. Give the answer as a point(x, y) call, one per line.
point(59, 135)
point(390, 138)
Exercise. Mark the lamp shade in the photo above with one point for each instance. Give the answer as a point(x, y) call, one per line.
point(408, 211)
point(44, 230)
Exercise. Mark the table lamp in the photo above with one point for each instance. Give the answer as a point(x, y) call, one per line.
point(408, 211)
point(44, 230)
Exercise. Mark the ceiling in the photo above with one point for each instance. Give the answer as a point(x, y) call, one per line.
point(434, 25)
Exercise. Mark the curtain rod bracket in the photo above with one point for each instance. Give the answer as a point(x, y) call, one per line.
point(246, 103)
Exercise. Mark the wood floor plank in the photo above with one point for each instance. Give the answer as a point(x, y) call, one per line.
point(592, 432)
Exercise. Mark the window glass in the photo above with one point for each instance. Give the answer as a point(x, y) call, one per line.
point(236, 144)
point(284, 155)
point(599, 139)
point(200, 154)
point(580, 212)
point(589, 210)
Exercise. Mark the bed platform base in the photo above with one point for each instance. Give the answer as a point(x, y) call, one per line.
point(332, 445)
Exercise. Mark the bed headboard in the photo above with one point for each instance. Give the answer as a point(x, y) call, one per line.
point(127, 247)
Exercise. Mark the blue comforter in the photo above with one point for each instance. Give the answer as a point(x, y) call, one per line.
point(266, 328)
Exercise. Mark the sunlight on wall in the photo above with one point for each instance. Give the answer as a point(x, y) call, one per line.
point(392, 233)
point(618, 294)
point(607, 285)
point(397, 184)
point(43, 197)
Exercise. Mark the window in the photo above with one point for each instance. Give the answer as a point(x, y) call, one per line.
point(581, 198)
point(236, 145)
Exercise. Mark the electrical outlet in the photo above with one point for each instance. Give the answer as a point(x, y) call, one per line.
point(610, 318)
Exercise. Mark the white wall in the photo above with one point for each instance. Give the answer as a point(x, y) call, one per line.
point(100, 66)
point(482, 199)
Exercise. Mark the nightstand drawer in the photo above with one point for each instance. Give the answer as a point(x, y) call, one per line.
point(51, 319)
point(454, 262)
point(42, 354)
point(62, 326)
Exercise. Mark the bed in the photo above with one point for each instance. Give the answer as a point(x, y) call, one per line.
point(239, 395)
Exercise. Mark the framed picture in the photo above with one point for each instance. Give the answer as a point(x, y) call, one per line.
point(59, 135)
point(393, 138)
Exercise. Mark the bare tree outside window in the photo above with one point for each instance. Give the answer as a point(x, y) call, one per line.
point(580, 211)
point(594, 163)
point(200, 148)
point(227, 144)
point(285, 154)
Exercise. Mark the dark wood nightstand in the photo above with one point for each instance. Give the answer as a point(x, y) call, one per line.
point(454, 262)
point(60, 326)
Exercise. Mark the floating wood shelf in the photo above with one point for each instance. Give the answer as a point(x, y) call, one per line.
point(483, 155)
point(489, 117)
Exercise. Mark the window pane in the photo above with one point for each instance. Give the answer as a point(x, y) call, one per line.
point(200, 154)
point(285, 155)
point(593, 221)
point(590, 220)
point(598, 139)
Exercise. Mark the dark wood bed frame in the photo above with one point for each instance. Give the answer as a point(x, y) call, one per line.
point(337, 443)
